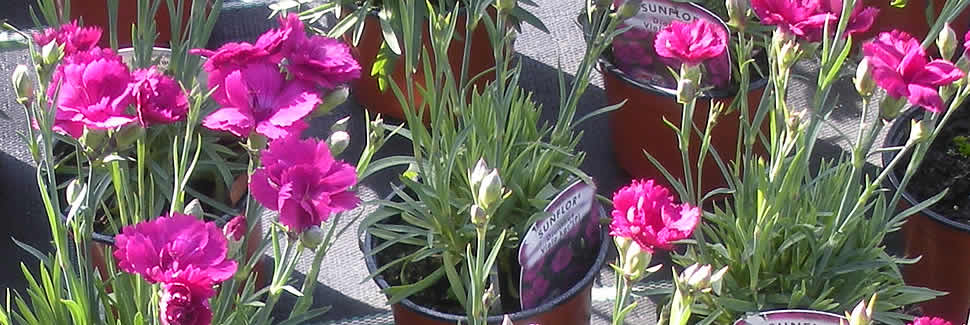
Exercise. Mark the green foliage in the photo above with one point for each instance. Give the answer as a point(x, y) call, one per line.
point(961, 144)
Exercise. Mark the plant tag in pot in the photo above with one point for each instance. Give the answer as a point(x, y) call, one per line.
point(790, 317)
point(558, 250)
point(634, 53)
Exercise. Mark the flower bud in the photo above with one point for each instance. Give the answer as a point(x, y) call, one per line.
point(699, 278)
point(490, 190)
point(476, 175)
point(505, 5)
point(74, 190)
point(946, 42)
point(338, 141)
point(737, 13)
point(629, 8)
point(333, 99)
point(622, 244)
point(51, 53)
point(128, 135)
point(236, 228)
point(194, 208)
point(507, 320)
point(312, 237)
point(917, 132)
point(635, 262)
point(340, 125)
point(789, 52)
point(890, 107)
point(479, 217)
point(376, 130)
point(22, 85)
point(858, 315)
point(864, 84)
point(687, 83)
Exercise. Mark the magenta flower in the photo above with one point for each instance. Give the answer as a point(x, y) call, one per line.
point(278, 43)
point(173, 249)
point(158, 98)
point(690, 43)
point(227, 59)
point(94, 92)
point(74, 38)
point(966, 42)
point(323, 61)
point(236, 228)
point(185, 299)
point(901, 67)
point(259, 98)
point(859, 20)
point(302, 181)
point(797, 17)
point(929, 321)
point(646, 213)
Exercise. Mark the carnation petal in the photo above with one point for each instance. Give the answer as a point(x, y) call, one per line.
point(234, 120)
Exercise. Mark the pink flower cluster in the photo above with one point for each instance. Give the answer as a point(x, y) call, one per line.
point(256, 94)
point(902, 68)
point(646, 213)
point(302, 180)
point(929, 321)
point(807, 18)
point(186, 255)
point(94, 89)
point(690, 43)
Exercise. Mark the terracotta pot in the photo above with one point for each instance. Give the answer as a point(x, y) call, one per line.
point(911, 19)
point(638, 126)
point(366, 89)
point(944, 244)
point(574, 307)
point(95, 13)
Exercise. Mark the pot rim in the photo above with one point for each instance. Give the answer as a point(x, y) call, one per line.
point(742, 321)
point(586, 281)
point(894, 137)
point(606, 62)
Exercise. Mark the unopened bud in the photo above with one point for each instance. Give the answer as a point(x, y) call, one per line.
point(789, 52)
point(737, 13)
point(507, 320)
point(338, 141)
point(890, 107)
point(476, 175)
point(864, 84)
point(194, 208)
point(635, 262)
point(312, 237)
point(236, 228)
point(917, 132)
point(946, 42)
point(479, 217)
point(376, 130)
point(687, 83)
point(340, 125)
point(333, 99)
point(628, 9)
point(74, 190)
point(700, 278)
point(22, 85)
point(51, 53)
point(491, 189)
point(505, 5)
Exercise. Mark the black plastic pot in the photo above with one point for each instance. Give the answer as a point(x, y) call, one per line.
point(944, 244)
point(573, 307)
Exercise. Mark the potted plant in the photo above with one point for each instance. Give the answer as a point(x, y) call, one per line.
point(374, 27)
point(482, 175)
point(935, 233)
point(177, 267)
point(166, 17)
point(794, 236)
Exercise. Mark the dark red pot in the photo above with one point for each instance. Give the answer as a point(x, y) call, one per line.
point(574, 307)
point(638, 126)
point(911, 19)
point(366, 89)
point(95, 13)
point(944, 244)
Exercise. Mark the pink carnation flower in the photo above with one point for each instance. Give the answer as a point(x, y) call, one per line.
point(690, 43)
point(94, 92)
point(859, 20)
point(901, 67)
point(173, 249)
point(227, 59)
point(646, 213)
point(158, 98)
point(185, 299)
point(323, 61)
point(236, 228)
point(302, 181)
point(929, 321)
point(966, 42)
point(280, 41)
point(797, 17)
point(259, 98)
point(74, 38)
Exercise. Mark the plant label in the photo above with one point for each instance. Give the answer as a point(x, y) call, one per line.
point(558, 250)
point(791, 317)
point(634, 54)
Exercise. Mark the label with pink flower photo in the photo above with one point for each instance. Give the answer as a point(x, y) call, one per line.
point(791, 317)
point(559, 249)
point(635, 54)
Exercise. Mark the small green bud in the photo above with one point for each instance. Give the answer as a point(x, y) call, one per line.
point(946, 42)
point(629, 8)
point(376, 130)
point(862, 314)
point(864, 84)
point(918, 132)
point(505, 5)
point(491, 189)
point(338, 141)
point(51, 53)
point(22, 85)
point(635, 262)
point(479, 217)
point(194, 208)
point(74, 190)
point(312, 237)
point(333, 99)
point(340, 125)
point(688, 83)
point(789, 53)
point(476, 175)
point(738, 13)
point(890, 107)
